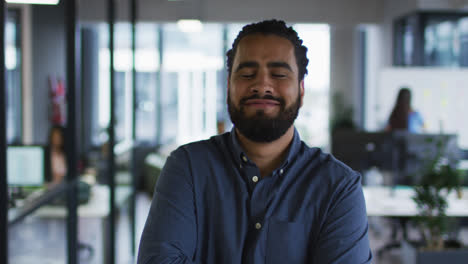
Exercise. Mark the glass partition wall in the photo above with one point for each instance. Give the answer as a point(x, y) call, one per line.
point(98, 146)
point(13, 74)
point(431, 38)
point(41, 170)
point(108, 75)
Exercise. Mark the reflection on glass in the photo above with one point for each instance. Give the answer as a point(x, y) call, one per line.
point(191, 63)
point(408, 45)
point(312, 122)
point(444, 49)
point(95, 59)
point(13, 76)
point(123, 82)
point(445, 43)
point(147, 66)
point(463, 40)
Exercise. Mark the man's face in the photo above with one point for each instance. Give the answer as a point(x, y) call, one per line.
point(264, 93)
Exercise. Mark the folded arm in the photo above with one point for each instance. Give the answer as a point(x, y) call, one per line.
point(169, 235)
point(344, 236)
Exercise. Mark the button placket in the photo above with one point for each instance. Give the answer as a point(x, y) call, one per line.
point(257, 201)
point(255, 179)
point(244, 158)
point(258, 226)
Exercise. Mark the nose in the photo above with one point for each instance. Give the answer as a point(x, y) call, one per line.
point(263, 84)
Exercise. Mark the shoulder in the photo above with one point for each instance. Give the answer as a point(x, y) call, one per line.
point(329, 179)
point(415, 113)
point(203, 149)
point(330, 170)
point(415, 116)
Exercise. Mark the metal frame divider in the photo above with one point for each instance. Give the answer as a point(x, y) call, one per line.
point(362, 46)
point(3, 145)
point(111, 131)
point(133, 17)
point(72, 60)
point(158, 103)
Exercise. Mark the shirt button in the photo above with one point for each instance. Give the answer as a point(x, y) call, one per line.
point(244, 158)
point(255, 179)
point(258, 226)
point(281, 171)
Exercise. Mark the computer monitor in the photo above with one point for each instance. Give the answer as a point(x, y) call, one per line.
point(362, 150)
point(27, 166)
point(402, 153)
point(418, 150)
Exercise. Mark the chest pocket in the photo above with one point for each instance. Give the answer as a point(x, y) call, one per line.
point(287, 242)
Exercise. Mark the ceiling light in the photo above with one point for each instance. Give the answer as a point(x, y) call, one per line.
point(190, 25)
point(34, 2)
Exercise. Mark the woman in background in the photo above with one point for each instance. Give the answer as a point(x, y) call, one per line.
point(403, 116)
point(58, 161)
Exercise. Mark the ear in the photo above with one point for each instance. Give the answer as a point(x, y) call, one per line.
point(301, 90)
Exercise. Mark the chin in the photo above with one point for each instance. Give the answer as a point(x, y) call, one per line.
point(263, 114)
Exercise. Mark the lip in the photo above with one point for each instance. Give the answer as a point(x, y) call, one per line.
point(261, 102)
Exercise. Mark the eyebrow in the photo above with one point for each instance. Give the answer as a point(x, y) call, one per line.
point(253, 64)
point(247, 64)
point(279, 64)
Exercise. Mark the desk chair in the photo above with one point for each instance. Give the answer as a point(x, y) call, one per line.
point(398, 223)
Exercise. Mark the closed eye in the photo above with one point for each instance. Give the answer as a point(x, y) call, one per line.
point(279, 75)
point(247, 76)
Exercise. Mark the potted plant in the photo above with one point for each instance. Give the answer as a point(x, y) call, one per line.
point(438, 180)
point(342, 114)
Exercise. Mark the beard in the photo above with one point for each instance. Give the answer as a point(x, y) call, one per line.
point(260, 127)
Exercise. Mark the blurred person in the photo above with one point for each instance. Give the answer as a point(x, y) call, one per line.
point(58, 160)
point(403, 116)
point(258, 194)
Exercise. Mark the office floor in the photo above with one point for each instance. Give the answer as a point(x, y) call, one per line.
point(52, 248)
point(380, 232)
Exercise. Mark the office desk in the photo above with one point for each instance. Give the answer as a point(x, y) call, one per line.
point(98, 205)
point(48, 224)
point(398, 202)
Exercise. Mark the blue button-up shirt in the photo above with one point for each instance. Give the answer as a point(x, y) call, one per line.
point(211, 206)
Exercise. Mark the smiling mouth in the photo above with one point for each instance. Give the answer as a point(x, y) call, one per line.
point(262, 102)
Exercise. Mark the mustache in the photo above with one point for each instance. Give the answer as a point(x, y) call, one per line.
point(266, 97)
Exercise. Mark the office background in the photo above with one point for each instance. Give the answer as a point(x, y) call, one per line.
point(175, 91)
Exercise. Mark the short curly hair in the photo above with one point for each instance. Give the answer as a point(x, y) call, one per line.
point(272, 27)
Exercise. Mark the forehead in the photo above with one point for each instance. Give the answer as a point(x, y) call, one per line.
point(265, 47)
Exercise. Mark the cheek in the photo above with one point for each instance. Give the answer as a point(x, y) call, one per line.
point(288, 90)
point(231, 97)
point(235, 91)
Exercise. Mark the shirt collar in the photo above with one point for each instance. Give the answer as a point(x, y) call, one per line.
point(239, 153)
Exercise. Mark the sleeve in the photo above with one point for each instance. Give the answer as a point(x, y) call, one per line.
point(344, 236)
point(420, 119)
point(169, 235)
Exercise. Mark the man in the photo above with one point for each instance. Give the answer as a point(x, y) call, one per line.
point(258, 194)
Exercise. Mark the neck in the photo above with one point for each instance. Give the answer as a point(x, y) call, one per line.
point(55, 149)
point(267, 155)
